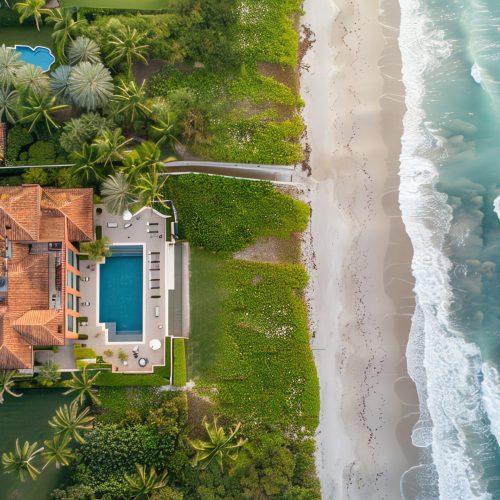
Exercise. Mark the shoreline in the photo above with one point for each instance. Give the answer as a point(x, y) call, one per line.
point(358, 253)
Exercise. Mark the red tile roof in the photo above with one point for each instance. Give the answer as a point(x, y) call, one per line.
point(28, 215)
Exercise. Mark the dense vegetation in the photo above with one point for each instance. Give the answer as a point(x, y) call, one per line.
point(223, 214)
point(220, 84)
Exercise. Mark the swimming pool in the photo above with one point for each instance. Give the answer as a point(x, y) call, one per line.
point(121, 291)
point(38, 56)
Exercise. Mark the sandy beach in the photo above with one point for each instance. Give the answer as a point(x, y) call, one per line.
point(360, 293)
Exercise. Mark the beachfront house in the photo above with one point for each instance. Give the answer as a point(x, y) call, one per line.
point(58, 305)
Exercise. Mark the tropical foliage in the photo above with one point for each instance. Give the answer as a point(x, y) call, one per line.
point(21, 460)
point(70, 421)
point(31, 8)
point(219, 446)
point(57, 450)
point(144, 482)
point(98, 249)
point(48, 374)
point(83, 384)
point(90, 85)
point(7, 383)
point(117, 193)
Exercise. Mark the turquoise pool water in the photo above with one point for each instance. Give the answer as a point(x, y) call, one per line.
point(38, 56)
point(121, 289)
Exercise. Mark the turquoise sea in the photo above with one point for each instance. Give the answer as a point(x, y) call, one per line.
point(450, 199)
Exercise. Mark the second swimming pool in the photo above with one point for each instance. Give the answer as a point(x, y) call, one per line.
point(121, 289)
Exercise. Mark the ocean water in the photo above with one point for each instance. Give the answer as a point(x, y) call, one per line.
point(450, 200)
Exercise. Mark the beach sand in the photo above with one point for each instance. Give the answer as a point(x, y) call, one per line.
point(357, 250)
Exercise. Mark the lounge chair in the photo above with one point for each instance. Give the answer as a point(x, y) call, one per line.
point(153, 231)
point(157, 312)
point(152, 223)
point(112, 224)
point(127, 225)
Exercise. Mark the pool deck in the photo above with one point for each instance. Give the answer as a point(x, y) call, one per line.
point(153, 327)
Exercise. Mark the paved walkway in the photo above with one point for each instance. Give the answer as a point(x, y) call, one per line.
point(273, 173)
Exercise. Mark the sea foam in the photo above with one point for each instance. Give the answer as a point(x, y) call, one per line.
point(446, 369)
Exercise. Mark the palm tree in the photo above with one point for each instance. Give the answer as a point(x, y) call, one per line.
point(163, 129)
point(87, 163)
point(131, 99)
point(57, 449)
point(70, 421)
point(7, 383)
point(8, 103)
point(65, 26)
point(116, 193)
point(48, 374)
point(150, 188)
point(111, 144)
point(97, 249)
point(83, 384)
point(127, 47)
point(145, 158)
point(20, 461)
point(84, 49)
point(9, 64)
point(145, 482)
point(32, 79)
point(39, 109)
point(90, 85)
point(59, 83)
point(219, 445)
point(30, 8)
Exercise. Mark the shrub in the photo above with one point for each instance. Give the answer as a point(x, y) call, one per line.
point(83, 336)
point(110, 451)
point(17, 138)
point(42, 153)
point(48, 374)
point(108, 353)
point(35, 176)
point(83, 353)
point(84, 129)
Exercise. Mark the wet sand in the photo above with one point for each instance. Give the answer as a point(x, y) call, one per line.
point(357, 250)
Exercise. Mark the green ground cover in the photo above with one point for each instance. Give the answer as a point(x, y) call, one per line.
point(26, 35)
point(206, 305)
point(180, 376)
point(223, 214)
point(117, 4)
point(27, 418)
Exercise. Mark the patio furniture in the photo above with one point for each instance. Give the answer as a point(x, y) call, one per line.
point(160, 327)
point(152, 223)
point(157, 311)
point(112, 224)
point(135, 348)
point(155, 344)
point(126, 226)
point(152, 231)
point(85, 278)
point(87, 303)
point(84, 323)
point(143, 362)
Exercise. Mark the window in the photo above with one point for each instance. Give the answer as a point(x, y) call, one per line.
point(70, 323)
point(70, 280)
point(71, 257)
point(71, 301)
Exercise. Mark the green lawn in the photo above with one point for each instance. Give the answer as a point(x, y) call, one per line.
point(118, 4)
point(206, 302)
point(27, 418)
point(26, 35)
point(180, 377)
